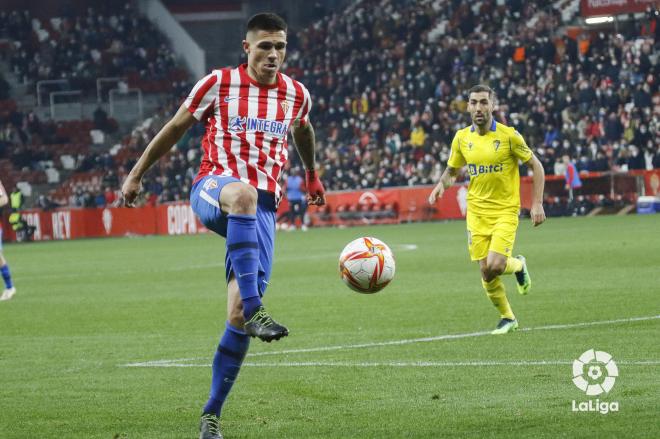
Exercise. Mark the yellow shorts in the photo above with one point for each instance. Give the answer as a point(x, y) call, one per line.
point(491, 233)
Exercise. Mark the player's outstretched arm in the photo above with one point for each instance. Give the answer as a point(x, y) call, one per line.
point(446, 180)
point(166, 138)
point(538, 182)
point(305, 141)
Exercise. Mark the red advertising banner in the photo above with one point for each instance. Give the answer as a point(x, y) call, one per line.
point(392, 205)
point(63, 224)
point(378, 206)
point(177, 219)
point(652, 182)
point(589, 8)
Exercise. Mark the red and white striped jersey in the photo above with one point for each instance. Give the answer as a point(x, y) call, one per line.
point(247, 124)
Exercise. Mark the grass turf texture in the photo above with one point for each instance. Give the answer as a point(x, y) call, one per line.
point(86, 308)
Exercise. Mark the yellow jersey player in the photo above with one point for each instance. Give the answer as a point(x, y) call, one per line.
point(491, 152)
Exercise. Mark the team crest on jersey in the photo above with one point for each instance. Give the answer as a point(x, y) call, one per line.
point(285, 106)
point(470, 145)
point(496, 144)
point(210, 184)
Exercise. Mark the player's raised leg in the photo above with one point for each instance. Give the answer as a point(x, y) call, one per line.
point(518, 267)
point(240, 201)
point(491, 269)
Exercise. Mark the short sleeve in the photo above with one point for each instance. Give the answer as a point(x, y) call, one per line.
point(203, 95)
point(519, 148)
point(305, 108)
point(456, 159)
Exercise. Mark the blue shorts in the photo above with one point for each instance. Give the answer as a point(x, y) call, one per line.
point(204, 198)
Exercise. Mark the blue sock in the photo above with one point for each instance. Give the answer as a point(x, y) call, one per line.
point(6, 276)
point(226, 365)
point(243, 250)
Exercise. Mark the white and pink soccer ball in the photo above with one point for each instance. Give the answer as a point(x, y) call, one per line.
point(366, 265)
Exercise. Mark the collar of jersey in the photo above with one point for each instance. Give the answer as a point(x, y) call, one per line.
point(493, 126)
point(242, 70)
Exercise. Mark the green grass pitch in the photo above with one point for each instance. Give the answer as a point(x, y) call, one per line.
point(354, 366)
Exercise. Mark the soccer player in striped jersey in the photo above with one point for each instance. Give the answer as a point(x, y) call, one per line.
point(491, 152)
point(9, 290)
point(247, 111)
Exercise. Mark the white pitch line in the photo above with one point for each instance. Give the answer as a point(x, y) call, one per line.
point(447, 337)
point(430, 363)
point(180, 362)
point(164, 363)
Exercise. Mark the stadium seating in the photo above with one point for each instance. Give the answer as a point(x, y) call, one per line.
point(405, 74)
point(547, 89)
point(84, 44)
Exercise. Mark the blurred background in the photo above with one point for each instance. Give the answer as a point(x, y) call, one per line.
point(85, 85)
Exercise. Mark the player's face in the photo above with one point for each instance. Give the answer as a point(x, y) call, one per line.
point(265, 51)
point(480, 107)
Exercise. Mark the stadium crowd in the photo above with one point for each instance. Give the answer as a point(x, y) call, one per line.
point(390, 88)
point(81, 48)
point(389, 91)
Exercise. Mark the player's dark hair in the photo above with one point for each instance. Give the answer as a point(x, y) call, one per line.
point(482, 88)
point(266, 21)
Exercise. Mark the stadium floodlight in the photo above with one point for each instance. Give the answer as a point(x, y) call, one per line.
point(599, 20)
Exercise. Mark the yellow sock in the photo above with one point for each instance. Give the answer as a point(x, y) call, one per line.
point(513, 265)
point(497, 295)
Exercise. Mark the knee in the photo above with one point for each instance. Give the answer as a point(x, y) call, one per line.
point(243, 200)
point(487, 274)
point(495, 268)
point(491, 271)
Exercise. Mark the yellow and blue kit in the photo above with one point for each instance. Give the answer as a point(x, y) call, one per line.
point(494, 190)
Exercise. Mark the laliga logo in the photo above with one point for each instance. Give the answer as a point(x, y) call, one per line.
point(594, 362)
point(595, 373)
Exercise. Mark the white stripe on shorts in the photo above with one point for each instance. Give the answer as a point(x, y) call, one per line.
point(209, 199)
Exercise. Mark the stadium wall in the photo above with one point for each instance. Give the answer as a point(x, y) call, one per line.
point(66, 224)
point(371, 206)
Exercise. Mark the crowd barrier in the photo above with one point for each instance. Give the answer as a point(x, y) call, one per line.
point(64, 224)
point(383, 206)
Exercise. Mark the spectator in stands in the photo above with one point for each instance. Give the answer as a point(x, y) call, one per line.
point(571, 177)
point(101, 120)
point(84, 47)
point(46, 202)
point(99, 199)
point(296, 196)
point(656, 158)
point(110, 197)
point(636, 158)
point(418, 135)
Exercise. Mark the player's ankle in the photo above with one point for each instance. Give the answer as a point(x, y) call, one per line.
point(250, 306)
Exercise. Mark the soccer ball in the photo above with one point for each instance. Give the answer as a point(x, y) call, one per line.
point(366, 265)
